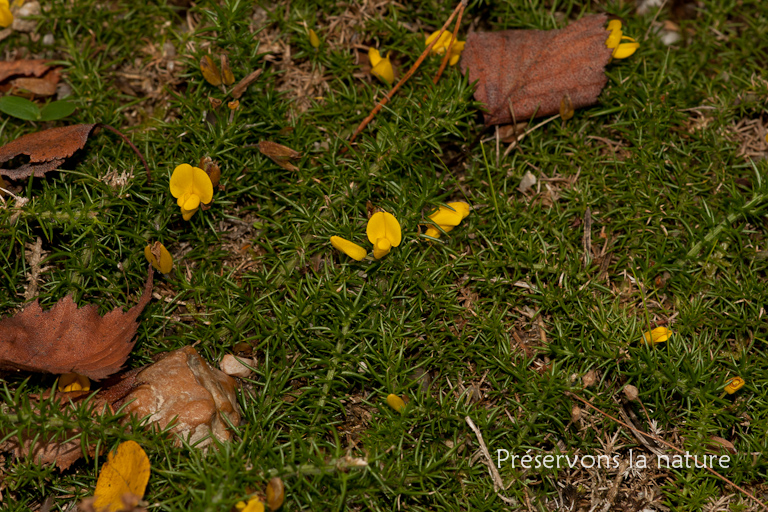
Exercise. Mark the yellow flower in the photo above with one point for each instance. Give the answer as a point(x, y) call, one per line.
point(313, 39)
point(736, 384)
point(442, 45)
point(6, 18)
point(384, 233)
point(123, 479)
point(74, 382)
point(159, 257)
point(620, 50)
point(658, 335)
point(396, 402)
point(351, 249)
point(381, 68)
point(253, 505)
point(192, 186)
point(447, 217)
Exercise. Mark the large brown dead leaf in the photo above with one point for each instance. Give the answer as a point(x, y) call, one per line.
point(35, 67)
point(46, 150)
point(531, 71)
point(47, 451)
point(70, 339)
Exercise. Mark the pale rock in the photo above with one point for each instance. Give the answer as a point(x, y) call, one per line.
point(182, 387)
point(233, 366)
point(20, 21)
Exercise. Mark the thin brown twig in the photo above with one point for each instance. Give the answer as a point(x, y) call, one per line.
point(405, 77)
point(134, 148)
point(447, 55)
point(668, 445)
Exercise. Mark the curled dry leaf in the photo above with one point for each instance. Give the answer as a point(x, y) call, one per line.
point(281, 155)
point(68, 339)
point(46, 150)
point(226, 71)
point(211, 73)
point(33, 67)
point(522, 73)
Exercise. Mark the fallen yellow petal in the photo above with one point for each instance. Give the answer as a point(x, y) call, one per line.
point(159, 257)
point(351, 249)
point(122, 479)
point(657, 335)
point(624, 50)
point(6, 18)
point(384, 70)
point(396, 403)
point(253, 505)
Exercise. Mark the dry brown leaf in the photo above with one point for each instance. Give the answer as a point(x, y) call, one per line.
point(226, 71)
point(68, 339)
point(528, 72)
point(49, 451)
point(211, 73)
point(36, 86)
point(47, 149)
point(35, 67)
point(281, 155)
point(243, 84)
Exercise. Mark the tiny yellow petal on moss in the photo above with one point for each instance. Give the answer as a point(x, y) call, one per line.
point(351, 249)
point(625, 50)
point(74, 382)
point(125, 475)
point(253, 505)
point(396, 402)
point(736, 384)
point(381, 67)
point(374, 57)
point(314, 40)
point(657, 335)
point(210, 71)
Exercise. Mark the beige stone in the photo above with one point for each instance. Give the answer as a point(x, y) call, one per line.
point(233, 366)
point(183, 387)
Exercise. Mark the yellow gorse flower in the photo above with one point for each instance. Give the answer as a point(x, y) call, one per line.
point(6, 18)
point(159, 257)
point(191, 186)
point(383, 232)
point(657, 335)
point(74, 382)
point(736, 384)
point(381, 67)
point(443, 44)
point(447, 217)
point(620, 50)
point(395, 402)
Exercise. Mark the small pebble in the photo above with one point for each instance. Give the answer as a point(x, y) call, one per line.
point(48, 39)
point(234, 368)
